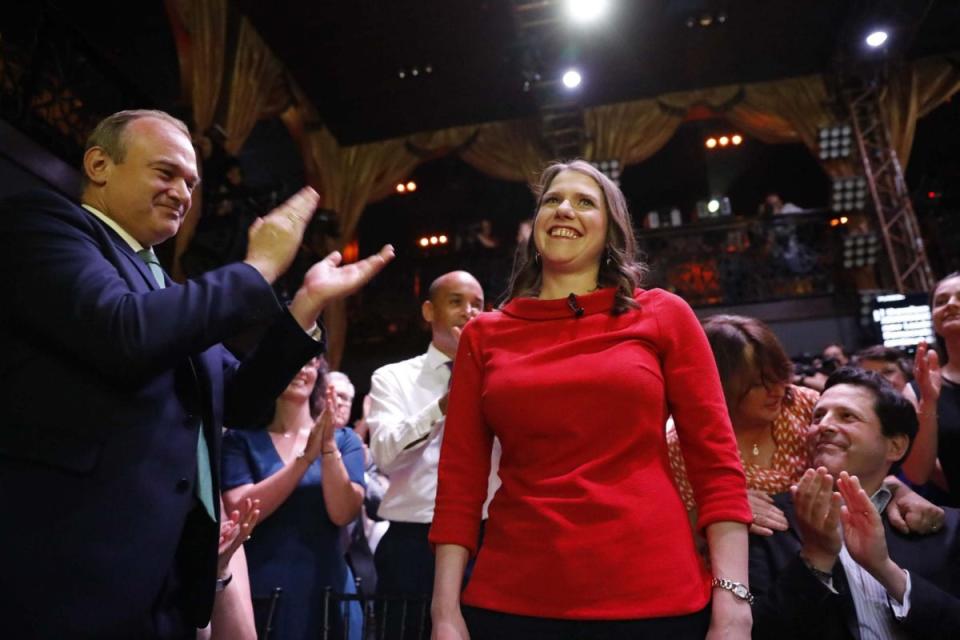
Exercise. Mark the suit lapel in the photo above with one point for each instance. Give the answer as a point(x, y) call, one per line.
point(127, 252)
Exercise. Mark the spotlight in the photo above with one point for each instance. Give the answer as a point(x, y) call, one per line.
point(411, 186)
point(835, 142)
point(571, 79)
point(713, 206)
point(424, 242)
point(724, 141)
point(434, 239)
point(442, 239)
point(584, 11)
point(876, 38)
point(401, 188)
point(849, 194)
point(860, 250)
point(736, 139)
point(711, 143)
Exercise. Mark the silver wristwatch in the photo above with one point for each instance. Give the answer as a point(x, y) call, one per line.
point(736, 588)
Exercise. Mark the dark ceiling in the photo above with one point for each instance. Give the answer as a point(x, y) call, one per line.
point(348, 56)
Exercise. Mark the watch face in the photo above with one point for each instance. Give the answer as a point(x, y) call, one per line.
point(740, 591)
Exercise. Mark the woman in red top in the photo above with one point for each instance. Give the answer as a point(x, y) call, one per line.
point(576, 374)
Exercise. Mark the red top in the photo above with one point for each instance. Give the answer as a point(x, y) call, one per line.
point(588, 523)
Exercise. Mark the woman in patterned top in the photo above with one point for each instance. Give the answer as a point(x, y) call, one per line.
point(770, 417)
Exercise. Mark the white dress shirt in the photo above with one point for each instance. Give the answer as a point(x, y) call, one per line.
point(406, 429)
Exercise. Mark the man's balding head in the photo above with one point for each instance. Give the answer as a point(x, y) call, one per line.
point(454, 298)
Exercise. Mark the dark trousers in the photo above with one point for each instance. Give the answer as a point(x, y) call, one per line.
point(484, 624)
point(404, 562)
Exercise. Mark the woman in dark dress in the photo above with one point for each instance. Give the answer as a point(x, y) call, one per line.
point(308, 476)
point(935, 454)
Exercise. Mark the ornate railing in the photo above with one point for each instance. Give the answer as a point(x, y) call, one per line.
point(736, 261)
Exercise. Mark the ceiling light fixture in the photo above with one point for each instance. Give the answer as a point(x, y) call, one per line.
point(571, 79)
point(586, 11)
point(876, 38)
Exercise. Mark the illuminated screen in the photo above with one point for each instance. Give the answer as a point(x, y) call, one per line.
point(903, 320)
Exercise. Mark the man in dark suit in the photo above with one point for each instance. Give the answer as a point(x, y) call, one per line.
point(841, 570)
point(114, 387)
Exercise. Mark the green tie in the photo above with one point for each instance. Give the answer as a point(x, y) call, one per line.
point(204, 475)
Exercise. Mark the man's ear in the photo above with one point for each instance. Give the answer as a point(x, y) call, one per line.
point(97, 165)
point(427, 310)
point(897, 447)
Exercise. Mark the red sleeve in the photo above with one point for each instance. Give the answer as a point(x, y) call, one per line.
point(696, 402)
point(465, 452)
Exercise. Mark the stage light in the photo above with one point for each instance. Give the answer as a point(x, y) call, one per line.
point(442, 238)
point(609, 168)
point(876, 38)
point(860, 250)
point(724, 141)
point(411, 186)
point(711, 143)
point(844, 219)
point(571, 79)
point(713, 206)
point(434, 240)
point(736, 139)
point(424, 242)
point(401, 188)
point(849, 194)
point(835, 142)
point(585, 11)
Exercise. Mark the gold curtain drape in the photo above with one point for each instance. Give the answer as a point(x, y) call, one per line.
point(206, 20)
point(255, 72)
point(509, 150)
point(348, 178)
point(914, 91)
point(629, 132)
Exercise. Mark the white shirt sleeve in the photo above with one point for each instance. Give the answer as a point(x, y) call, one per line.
point(901, 610)
point(393, 430)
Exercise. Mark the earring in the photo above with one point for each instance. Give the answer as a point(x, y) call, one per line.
point(607, 259)
point(536, 258)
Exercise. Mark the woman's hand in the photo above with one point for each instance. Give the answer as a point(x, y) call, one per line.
point(235, 530)
point(730, 617)
point(767, 518)
point(323, 435)
point(926, 368)
point(909, 512)
point(449, 625)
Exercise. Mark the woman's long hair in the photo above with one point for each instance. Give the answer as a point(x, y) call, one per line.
point(619, 265)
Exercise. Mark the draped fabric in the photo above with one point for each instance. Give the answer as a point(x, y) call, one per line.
point(256, 71)
point(348, 178)
point(510, 150)
point(206, 20)
point(913, 92)
point(629, 132)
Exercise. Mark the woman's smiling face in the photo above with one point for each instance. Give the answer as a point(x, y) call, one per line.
point(570, 229)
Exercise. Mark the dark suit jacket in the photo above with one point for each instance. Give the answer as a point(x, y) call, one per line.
point(792, 603)
point(104, 383)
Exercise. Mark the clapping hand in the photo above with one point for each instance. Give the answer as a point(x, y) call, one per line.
point(864, 537)
point(323, 435)
point(274, 239)
point(328, 280)
point(817, 508)
point(926, 367)
point(235, 530)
